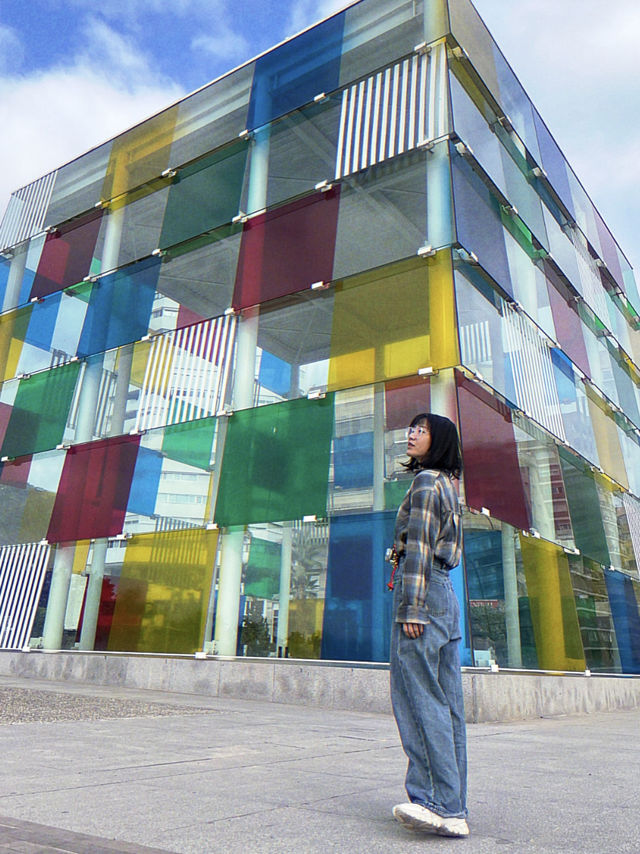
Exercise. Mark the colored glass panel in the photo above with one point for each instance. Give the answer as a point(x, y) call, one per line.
point(358, 607)
point(140, 154)
point(119, 307)
point(269, 472)
point(94, 490)
point(584, 507)
point(40, 411)
point(553, 162)
point(404, 399)
point(190, 443)
point(607, 442)
point(353, 461)
point(145, 482)
point(13, 330)
point(553, 608)
point(163, 592)
point(568, 328)
point(623, 597)
point(262, 572)
point(391, 322)
point(491, 471)
point(296, 71)
point(205, 194)
point(287, 249)
point(67, 255)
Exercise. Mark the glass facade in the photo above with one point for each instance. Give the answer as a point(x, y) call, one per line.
point(215, 328)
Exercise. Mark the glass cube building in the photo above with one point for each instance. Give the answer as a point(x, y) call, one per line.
point(216, 327)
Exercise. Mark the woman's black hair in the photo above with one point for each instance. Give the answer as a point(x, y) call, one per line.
point(444, 451)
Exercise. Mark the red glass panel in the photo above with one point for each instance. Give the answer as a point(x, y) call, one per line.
point(94, 490)
point(491, 472)
point(16, 473)
point(568, 328)
point(287, 249)
point(5, 415)
point(404, 399)
point(67, 255)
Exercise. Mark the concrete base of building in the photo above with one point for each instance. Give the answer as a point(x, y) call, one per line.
point(489, 695)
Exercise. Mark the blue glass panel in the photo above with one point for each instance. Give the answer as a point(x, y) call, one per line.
point(358, 605)
point(626, 392)
point(353, 460)
point(574, 407)
point(42, 323)
point(626, 620)
point(553, 163)
point(275, 374)
point(120, 307)
point(5, 264)
point(145, 483)
point(294, 73)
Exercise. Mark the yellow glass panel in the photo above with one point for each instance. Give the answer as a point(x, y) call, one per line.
point(36, 515)
point(163, 592)
point(80, 556)
point(305, 627)
point(607, 442)
point(141, 352)
point(553, 607)
point(391, 321)
point(140, 155)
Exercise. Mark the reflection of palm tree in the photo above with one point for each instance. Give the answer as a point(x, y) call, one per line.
point(308, 560)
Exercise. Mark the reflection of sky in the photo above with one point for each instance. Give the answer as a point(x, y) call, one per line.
point(46, 469)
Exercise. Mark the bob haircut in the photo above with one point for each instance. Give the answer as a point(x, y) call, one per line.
point(444, 452)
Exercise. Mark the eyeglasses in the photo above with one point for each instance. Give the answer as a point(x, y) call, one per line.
point(418, 431)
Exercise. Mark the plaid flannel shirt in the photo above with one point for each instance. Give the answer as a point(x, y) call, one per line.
point(427, 529)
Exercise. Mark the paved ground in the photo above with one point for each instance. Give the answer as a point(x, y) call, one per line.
point(100, 770)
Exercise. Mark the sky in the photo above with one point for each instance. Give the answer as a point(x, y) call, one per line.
point(74, 73)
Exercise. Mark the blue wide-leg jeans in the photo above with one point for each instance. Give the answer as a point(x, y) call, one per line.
point(426, 694)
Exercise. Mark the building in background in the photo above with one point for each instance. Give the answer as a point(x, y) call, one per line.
point(216, 327)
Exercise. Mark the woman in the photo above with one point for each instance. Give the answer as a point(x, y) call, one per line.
point(426, 684)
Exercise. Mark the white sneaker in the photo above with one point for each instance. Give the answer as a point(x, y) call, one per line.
point(417, 817)
point(456, 827)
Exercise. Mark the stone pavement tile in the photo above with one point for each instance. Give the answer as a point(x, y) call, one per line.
point(29, 838)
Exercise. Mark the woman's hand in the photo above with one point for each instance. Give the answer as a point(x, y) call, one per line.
point(412, 630)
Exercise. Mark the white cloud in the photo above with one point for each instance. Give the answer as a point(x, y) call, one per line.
point(224, 44)
point(304, 13)
point(11, 50)
point(51, 116)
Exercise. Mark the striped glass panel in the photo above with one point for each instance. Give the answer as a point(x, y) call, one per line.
point(26, 211)
point(632, 508)
point(187, 373)
point(393, 111)
point(22, 571)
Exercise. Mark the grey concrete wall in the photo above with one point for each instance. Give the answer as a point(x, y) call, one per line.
point(500, 696)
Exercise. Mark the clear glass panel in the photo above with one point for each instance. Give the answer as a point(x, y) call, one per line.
point(553, 608)
point(584, 507)
point(489, 447)
point(132, 229)
point(594, 615)
point(267, 471)
point(375, 35)
point(287, 249)
point(499, 612)
point(631, 452)
point(393, 321)
point(383, 215)
point(624, 594)
point(574, 407)
point(205, 194)
point(78, 185)
point(162, 592)
point(295, 72)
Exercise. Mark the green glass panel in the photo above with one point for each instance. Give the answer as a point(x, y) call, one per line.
point(262, 574)
point(553, 608)
point(40, 411)
point(584, 507)
point(276, 462)
point(163, 592)
point(205, 194)
point(190, 443)
point(394, 492)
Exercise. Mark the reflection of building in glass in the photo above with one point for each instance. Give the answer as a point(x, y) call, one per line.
point(216, 327)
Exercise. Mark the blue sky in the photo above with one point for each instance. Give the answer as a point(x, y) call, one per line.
point(76, 72)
